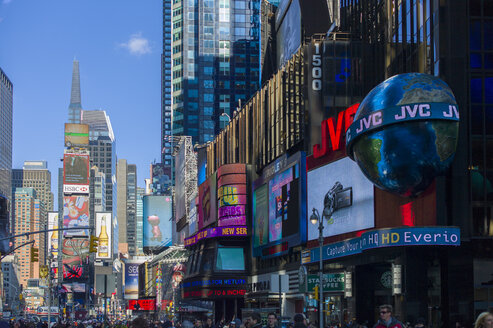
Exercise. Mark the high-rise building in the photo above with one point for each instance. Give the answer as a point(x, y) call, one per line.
point(97, 194)
point(75, 107)
point(26, 217)
point(11, 287)
point(166, 80)
point(6, 96)
point(139, 221)
point(127, 204)
point(216, 63)
point(102, 147)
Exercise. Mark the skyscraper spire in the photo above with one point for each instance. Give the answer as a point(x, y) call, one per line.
point(75, 103)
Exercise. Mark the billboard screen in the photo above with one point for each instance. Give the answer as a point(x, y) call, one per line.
point(75, 251)
point(76, 214)
point(279, 206)
point(232, 195)
point(341, 193)
point(288, 28)
point(103, 232)
point(131, 290)
point(192, 217)
point(76, 169)
point(207, 202)
point(53, 236)
point(157, 221)
point(161, 178)
point(76, 134)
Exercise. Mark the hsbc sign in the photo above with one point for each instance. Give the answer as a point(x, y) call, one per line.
point(75, 189)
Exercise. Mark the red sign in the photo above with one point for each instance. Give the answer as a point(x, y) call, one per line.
point(144, 305)
point(208, 293)
point(331, 135)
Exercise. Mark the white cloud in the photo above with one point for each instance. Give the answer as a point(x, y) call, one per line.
point(136, 45)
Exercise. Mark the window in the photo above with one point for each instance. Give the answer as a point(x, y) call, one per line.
point(208, 29)
point(224, 15)
point(208, 84)
point(230, 259)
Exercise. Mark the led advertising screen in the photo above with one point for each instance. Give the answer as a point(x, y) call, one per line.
point(232, 195)
point(192, 217)
point(288, 28)
point(103, 232)
point(75, 215)
point(207, 204)
point(76, 169)
point(180, 177)
point(161, 178)
point(157, 221)
point(76, 134)
point(342, 194)
point(131, 280)
point(75, 251)
point(53, 236)
point(279, 206)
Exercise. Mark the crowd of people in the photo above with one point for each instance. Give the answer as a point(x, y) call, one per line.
point(251, 320)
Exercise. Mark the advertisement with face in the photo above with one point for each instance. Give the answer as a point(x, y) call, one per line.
point(207, 202)
point(53, 236)
point(76, 214)
point(161, 178)
point(103, 232)
point(279, 206)
point(342, 194)
point(131, 280)
point(157, 221)
point(76, 169)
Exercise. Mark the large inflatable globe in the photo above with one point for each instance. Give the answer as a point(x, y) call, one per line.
point(405, 132)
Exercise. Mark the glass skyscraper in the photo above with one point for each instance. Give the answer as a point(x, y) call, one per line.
point(75, 107)
point(6, 94)
point(166, 91)
point(215, 62)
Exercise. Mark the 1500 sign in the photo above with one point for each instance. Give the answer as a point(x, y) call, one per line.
point(317, 69)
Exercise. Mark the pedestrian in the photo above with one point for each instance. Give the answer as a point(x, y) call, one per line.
point(139, 323)
point(255, 320)
point(209, 323)
point(299, 320)
point(271, 321)
point(484, 320)
point(197, 323)
point(386, 319)
point(420, 323)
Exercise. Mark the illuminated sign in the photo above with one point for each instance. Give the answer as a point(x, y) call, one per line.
point(211, 293)
point(395, 237)
point(234, 231)
point(144, 305)
point(213, 282)
point(232, 195)
point(76, 169)
point(331, 135)
point(333, 282)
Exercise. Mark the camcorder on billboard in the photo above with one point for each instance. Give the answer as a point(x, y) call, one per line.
point(207, 203)
point(157, 221)
point(103, 232)
point(131, 291)
point(53, 236)
point(342, 195)
point(279, 206)
point(76, 169)
point(75, 215)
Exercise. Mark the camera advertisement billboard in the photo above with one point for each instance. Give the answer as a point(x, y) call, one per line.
point(103, 232)
point(279, 206)
point(157, 221)
point(131, 291)
point(76, 169)
point(75, 215)
point(343, 196)
point(53, 236)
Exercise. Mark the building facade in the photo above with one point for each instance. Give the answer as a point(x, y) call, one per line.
point(216, 63)
point(11, 287)
point(139, 219)
point(75, 107)
point(6, 111)
point(166, 86)
point(127, 205)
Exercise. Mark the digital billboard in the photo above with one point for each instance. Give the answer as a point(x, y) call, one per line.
point(75, 251)
point(180, 178)
point(103, 232)
point(76, 169)
point(207, 203)
point(279, 206)
point(161, 178)
point(192, 216)
point(288, 28)
point(341, 193)
point(76, 214)
point(76, 134)
point(157, 220)
point(231, 195)
point(131, 291)
point(53, 236)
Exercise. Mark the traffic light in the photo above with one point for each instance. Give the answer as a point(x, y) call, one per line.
point(315, 289)
point(93, 244)
point(34, 254)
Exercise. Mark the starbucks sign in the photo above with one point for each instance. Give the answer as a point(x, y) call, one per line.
point(332, 282)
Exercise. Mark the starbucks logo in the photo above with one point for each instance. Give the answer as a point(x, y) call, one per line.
point(386, 279)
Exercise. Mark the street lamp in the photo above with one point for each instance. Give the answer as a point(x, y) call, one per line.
point(225, 115)
point(314, 219)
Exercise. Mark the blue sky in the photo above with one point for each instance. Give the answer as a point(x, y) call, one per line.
point(118, 44)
